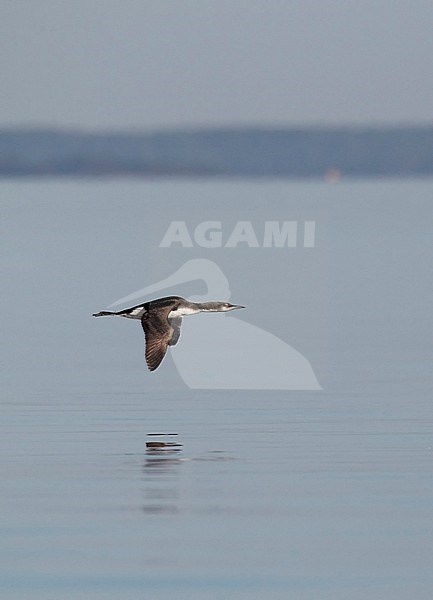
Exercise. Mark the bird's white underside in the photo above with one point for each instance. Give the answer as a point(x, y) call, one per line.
point(181, 312)
point(137, 312)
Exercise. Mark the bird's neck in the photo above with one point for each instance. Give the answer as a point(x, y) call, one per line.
point(208, 306)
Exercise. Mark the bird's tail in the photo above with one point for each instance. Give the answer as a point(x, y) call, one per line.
point(104, 313)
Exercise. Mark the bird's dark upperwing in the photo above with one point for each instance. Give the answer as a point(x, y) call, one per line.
point(158, 332)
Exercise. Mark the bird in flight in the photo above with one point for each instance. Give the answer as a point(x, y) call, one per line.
point(161, 320)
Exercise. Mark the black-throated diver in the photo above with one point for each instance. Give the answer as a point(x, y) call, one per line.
point(161, 320)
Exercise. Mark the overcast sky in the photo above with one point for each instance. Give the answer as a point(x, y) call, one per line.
point(146, 64)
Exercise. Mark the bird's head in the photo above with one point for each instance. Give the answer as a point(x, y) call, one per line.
point(226, 306)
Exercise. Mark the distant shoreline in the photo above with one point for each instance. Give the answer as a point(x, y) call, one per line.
point(296, 153)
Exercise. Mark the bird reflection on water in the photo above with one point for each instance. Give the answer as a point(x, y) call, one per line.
point(161, 472)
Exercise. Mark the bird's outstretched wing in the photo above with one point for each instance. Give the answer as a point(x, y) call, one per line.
point(159, 332)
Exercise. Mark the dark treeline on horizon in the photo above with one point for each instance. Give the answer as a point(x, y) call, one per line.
point(247, 152)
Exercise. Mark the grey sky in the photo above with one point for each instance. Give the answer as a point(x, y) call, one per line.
point(146, 64)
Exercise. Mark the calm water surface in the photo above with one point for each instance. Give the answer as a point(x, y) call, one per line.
point(306, 495)
point(319, 496)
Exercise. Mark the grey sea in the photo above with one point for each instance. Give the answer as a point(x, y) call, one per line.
point(120, 484)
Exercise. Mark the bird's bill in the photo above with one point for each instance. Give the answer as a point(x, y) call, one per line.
point(234, 306)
